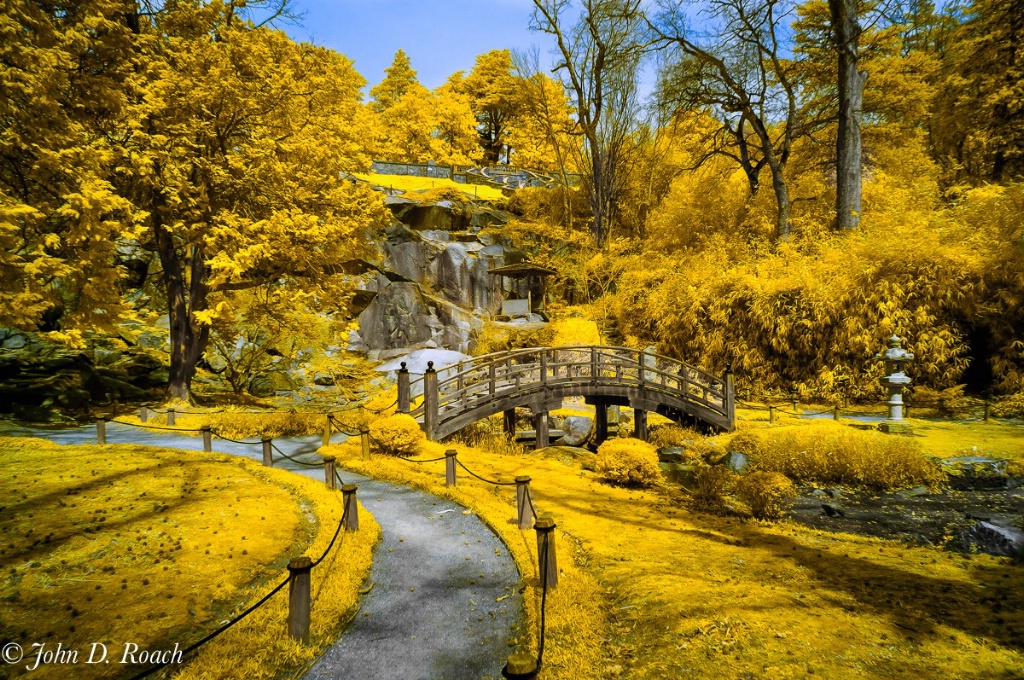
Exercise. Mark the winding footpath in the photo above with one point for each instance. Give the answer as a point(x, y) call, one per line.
point(444, 602)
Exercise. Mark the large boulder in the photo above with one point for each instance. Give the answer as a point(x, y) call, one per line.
point(453, 278)
point(976, 472)
point(990, 538)
point(577, 431)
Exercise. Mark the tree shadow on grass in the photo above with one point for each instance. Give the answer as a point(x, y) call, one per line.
point(989, 604)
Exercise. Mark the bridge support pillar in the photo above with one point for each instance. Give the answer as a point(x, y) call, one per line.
point(510, 422)
point(540, 424)
point(640, 424)
point(600, 422)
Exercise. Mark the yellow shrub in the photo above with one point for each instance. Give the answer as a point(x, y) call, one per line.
point(672, 435)
point(828, 452)
point(628, 461)
point(575, 331)
point(397, 435)
point(768, 494)
point(713, 482)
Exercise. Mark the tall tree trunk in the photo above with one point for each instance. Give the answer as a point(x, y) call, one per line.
point(783, 225)
point(598, 198)
point(846, 33)
point(184, 296)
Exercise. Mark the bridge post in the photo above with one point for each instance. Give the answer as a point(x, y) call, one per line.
point(540, 425)
point(404, 390)
point(601, 422)
point(640, 424)
point(430, 399)
point(543, 366)
point(730, 393)
point(491, 374)
point(510, 421)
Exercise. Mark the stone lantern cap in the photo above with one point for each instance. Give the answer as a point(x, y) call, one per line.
point(895, 353)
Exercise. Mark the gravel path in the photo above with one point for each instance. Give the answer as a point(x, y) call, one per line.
point(444, 602)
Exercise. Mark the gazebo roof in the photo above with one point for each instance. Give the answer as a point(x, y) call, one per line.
point(522, 269)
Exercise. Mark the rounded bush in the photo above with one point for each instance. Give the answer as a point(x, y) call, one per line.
point(628, 461)
point(713, 482)
point(768, 494)
point(397, 435)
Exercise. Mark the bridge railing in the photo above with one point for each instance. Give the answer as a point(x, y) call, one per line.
point(537, 369)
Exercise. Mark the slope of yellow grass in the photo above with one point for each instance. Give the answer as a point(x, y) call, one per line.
point(655, 591)
point(412, 184)
point(132, 544)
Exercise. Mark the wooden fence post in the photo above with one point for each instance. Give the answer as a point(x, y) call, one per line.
point(101, 430)
point(988, 411)
point(404, 390)
point(449, 467)
point(523, 504)
point(143, 414)
point(545, 527)
point(327, 431)
point(170, 417)
point(329, 473)
point(351, 508)
point(207, 440)
point(796, 406)
point(364, 441)
point(430, 399)
point(835, 413)
point(298, 598)
point(268, 455)
point(771, 415)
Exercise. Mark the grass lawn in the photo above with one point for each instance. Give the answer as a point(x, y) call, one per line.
point(652, 590)
point(412, 184)
point(131, 544)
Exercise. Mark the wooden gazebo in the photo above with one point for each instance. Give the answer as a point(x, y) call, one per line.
point(533, 273)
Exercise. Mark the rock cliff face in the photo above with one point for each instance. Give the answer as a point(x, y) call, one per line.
point(431, 287)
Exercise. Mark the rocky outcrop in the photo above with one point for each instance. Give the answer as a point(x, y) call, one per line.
point(433, 286)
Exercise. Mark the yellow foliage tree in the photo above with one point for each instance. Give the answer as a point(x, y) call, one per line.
point(212, 155)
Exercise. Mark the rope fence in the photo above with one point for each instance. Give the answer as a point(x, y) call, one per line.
point(299, 604)
point(519, 665)
point(838, 411)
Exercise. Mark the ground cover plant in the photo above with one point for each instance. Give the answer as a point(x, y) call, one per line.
point(677, 594)
point(119, 544)
point(830, 453)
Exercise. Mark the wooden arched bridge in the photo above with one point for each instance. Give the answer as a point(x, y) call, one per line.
point(539, 378)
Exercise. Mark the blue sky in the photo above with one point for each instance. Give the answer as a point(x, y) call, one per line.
point(440, 36)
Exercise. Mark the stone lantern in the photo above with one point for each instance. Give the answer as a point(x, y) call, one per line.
point(896, 380)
